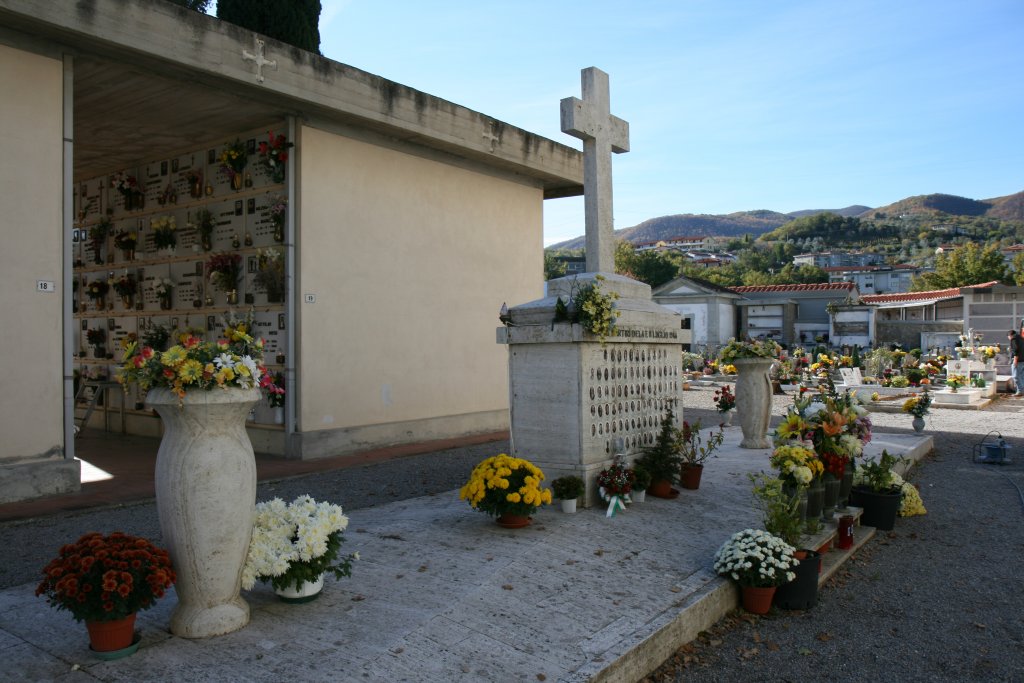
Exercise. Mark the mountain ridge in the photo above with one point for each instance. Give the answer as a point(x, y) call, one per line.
point(758, 222)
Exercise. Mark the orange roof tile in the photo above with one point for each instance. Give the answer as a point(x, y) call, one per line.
point(816, 287)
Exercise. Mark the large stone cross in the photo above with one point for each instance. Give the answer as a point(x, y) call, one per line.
point(590, 120)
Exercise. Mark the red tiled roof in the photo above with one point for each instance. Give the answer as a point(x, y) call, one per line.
point(1014, 247)
point(816, 287)
point(933, 295)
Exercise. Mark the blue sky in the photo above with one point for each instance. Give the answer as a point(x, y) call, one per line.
point(735, 105)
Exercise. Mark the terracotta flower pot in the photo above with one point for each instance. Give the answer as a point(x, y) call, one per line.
point(757, 600)
point(108, 636)
point(513, 521)
point(661, 488)
point(691, 474)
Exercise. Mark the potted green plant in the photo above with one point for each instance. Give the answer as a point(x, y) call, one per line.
point(780, 508)
point(641, 481)
point(568, 489)
point(507, 488)
point(294, 545)
point(105, 581)
point(663, 458)
point(878, 490)
point(758, 562)
point(695, 452)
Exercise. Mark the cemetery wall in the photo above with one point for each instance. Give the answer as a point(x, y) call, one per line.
point(30, 213)
point(410, 260)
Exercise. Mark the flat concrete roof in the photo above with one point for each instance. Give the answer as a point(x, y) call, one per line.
point(152, 78)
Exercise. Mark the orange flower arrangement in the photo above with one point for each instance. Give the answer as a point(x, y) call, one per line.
point(105, 578)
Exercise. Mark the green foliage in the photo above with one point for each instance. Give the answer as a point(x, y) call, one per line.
point(295, 22)
point(197, 5)
point(567, 488)
point(652, 267)
point(877, 475)
point(641, 478)
point(310, 570)
point(552, 266)
point(692, 447)
point(824, 225)
point(780, 509)
point(1018, 269)
point(965, 265)
point(663, 458)
point(595, 310)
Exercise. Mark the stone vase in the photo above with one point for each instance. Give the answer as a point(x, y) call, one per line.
point(753, 400)
point(206, 500)
point(918, 424)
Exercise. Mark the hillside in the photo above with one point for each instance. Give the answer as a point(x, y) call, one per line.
point(848, 212)
point(936, 205)
point(692, 225)
point(880, 223)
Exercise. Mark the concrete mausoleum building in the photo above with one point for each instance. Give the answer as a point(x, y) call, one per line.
point(409, 221)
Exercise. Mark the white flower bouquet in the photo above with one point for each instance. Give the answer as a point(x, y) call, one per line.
point(756, 558)
point(296, 542)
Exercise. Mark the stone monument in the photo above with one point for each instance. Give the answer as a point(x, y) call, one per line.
point(577, 400)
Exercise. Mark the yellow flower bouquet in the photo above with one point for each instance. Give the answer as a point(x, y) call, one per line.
point(765, 348)
point(504, 485)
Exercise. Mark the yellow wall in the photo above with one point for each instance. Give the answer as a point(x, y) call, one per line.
point(410, 260)
point(31, 415)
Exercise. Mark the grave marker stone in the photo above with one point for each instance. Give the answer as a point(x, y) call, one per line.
point(576, 402)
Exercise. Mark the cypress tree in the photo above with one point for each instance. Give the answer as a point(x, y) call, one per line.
point(295, 22)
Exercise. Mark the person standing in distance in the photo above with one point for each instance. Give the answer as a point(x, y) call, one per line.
point(1017, 362)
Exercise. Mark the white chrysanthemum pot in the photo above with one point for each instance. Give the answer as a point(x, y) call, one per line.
point(307, 590)
point(206, 500)
point(754, 400)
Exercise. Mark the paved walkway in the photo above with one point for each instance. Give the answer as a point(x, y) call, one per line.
point(443, 594)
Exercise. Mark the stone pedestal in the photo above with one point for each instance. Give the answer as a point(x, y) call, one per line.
point(576, 402)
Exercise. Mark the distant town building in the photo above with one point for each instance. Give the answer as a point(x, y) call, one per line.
point(876, 279)
point(573, 264)
point(790, 314)
point(696, 243)
point(831, 259)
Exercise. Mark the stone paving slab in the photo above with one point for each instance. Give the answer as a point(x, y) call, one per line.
point(444, 594)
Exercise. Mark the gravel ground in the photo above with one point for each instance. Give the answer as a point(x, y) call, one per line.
point(939, 599)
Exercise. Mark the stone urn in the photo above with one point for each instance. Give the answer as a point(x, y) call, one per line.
point(206, 500)
point(754, 400)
